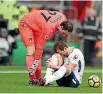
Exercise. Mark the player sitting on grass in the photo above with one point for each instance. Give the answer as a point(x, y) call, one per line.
point(69, 70)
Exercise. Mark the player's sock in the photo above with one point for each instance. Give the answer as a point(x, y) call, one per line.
point(32, 77)
point(38, 71)
point(56, 75)
point(29, 62)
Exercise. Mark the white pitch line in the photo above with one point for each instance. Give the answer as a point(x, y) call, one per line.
point(17, 71)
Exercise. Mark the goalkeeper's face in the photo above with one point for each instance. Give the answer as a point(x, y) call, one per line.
point(62, 32)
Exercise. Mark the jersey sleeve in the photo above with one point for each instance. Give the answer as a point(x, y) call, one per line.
point(45, 33)
point(54, 59)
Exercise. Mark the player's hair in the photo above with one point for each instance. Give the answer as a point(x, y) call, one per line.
point(59, 45)
point(67, 26)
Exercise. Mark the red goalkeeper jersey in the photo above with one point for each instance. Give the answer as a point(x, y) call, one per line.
point(40, 26)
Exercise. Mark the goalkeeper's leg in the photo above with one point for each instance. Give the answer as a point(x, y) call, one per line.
point(27, 36)
point(38, 71)
point(31, 63)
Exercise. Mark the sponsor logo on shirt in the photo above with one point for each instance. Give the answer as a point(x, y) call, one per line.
point(47, 37)
point(30, 39)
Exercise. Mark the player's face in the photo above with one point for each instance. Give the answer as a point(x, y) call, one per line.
point(63, 53)
point(62, 32)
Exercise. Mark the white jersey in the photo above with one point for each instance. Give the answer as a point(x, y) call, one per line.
point(50, 71)
point(54, 59)
point(76, 57)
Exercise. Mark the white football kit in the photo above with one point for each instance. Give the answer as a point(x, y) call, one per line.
point(76, 57)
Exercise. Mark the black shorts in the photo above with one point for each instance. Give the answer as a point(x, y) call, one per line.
point(69, 81)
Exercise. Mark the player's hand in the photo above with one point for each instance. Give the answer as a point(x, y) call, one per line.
point(49, 60)
point(50, 64)
point(33, 68)
point(66, 74)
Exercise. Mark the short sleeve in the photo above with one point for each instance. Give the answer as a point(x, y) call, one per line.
point(54, 59)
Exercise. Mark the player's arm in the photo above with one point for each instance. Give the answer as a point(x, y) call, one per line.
point(39, 46)
point(41, 42)
point(71, 64)
point(70, 67)
point(51, 64)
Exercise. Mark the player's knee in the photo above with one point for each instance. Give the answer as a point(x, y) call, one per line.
point(31, 50)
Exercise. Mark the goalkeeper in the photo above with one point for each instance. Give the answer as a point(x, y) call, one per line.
point(66, 66)
point(35, 29)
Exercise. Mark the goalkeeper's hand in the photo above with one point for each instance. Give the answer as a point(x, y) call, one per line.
point(33, 68)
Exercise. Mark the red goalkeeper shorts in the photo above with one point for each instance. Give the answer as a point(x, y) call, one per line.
point(27, 33)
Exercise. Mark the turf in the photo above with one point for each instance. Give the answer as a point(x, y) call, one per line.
point(17, 82)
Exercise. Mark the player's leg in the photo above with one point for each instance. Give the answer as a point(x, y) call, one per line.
point(38, 74)
point(50, 71)
point(38, 70)
point(28, 41)
point(56, 75)
point(60, 82)
point(29, 61)
point(71, 81)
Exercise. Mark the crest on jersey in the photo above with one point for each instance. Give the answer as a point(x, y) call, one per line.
point(46, 37)
point(30, 39)
point(75, 57)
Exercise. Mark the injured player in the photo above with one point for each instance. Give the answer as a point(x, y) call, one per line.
point(66, 66)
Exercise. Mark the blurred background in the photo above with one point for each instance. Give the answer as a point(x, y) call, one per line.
point(86, 17)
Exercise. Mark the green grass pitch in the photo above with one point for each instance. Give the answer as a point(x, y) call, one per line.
point(14, 79)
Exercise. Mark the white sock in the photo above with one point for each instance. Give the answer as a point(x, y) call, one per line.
point(56, 75)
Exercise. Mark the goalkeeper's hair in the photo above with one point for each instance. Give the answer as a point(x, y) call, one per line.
point(67, 26)
point(59, 45)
